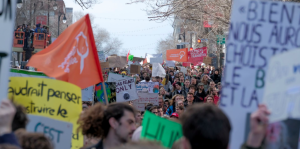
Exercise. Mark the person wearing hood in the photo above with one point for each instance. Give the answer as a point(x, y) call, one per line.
point(216, 77)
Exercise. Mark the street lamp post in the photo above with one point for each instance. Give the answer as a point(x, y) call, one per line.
point(64, 20)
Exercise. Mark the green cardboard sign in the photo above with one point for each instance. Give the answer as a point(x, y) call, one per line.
point(160, 129)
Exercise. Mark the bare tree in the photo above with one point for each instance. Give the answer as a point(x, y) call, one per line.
point(103, 39)
point(86, 4)
point(164, 45)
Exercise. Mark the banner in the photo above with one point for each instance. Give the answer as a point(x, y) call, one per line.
point(186, 64)
point(148, 56)
point(7, 19)
point(170, 63)
point(284, 101)
point(196, 56)
point(135, 69)
point(158, 129)
point(110, 92)
point(179, 55)
point(148, 98)
point(50, 98)
point(258, 30)
point(153, 87)
point(41, 20)
point(59, 132)
point(126, 90)
point(156, 60)
point(158, 70)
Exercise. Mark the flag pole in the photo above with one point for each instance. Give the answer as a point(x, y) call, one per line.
point(105, 95)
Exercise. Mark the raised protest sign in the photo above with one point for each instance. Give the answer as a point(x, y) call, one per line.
point(158, 70)
point(196, 56)
point(179, 55)
point(156, 60)
point(113, 77)
point(104, 66)
point(117, 61)
point(170, 63)
point(142, 88)
point(101, 56)
point(258, 30)
point(59, 132)
point(87, 94)
point(148, 98)
point(50, 98)
point(7, 19)
point(158, 129)
point(135, 69)
point(110, 92)
point(126, 90)
point(148, 56)
point(282, 88)
point(153, 87)
point(138, 106)
point(207, 60)
point(183, 69)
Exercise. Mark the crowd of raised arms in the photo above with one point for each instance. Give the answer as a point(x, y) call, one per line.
point(189, 98)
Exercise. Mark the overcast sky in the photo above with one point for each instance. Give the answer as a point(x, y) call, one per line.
point(110, 14)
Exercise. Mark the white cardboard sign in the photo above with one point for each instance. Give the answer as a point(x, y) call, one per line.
point(156, 60)
point(59, 132)
point(148, 98)
point(158, 70)
point(258, 30)
point(113, 77)
point(282, 90)
point(153, 87)
point(142, 88)
point(87, 93)
point(126, 90)
point(7, 19)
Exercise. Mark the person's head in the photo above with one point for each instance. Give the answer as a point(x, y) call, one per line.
point(147, 78)
point(160, 111)
point(216, 72)
point(212, 84)
point(204, 79)
point(180, 74)
point(138, 117)
point(192, 89)
point(171, 73)
point(138, 78)
point(181, 79)
point(190, 97)
point(176, 80)
point(154, 110)
point(33, 140)
point(179, 97)
point(116, 120)
point(174, 116)
point(20, 119)
point(179, 109)
point(205, 126)
point(200, 73)
point(201, 86)
point(178, 85)
point(187, 83)
point(177, 75)
point(219, 86)
point(210, 99)
point(154, 79)
point(205, 70)
point(180, 103)
point(194, 81)
point(167, 103)
point(158, 79)
point(215, 92)
point(144, 74)
point(160, 101)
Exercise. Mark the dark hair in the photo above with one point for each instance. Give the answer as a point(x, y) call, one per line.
point(157, 77)
point(95, 121)
point(153, 108)
point(147, 78)
point(20, 119)
point(189, 93)
point(148, 106)
point(32, 140)
point(206, 126)
point(192, 86)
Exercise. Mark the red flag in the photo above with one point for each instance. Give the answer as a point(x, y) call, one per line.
point(128, 55)
point(72, 57)
point(145, 61)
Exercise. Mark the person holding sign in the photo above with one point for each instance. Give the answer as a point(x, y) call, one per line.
point(114, 124)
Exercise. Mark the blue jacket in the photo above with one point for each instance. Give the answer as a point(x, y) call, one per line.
point(9, 138)
point(170, 110)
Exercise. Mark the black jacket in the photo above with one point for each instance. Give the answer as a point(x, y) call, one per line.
point(216, 78)
point(99, 145)
point(199, 97)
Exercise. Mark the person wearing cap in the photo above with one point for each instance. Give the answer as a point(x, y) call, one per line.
point(201, 94)
point(174, 116)
point(178, 90)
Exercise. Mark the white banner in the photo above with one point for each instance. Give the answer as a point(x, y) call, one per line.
point(156, 60)
point(126, 90)
point(59, 132)
point(148, 56)
point(7, 23)
point(258, 30)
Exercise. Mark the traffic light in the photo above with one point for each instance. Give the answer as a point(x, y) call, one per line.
point(191, 48)
point(199, 40)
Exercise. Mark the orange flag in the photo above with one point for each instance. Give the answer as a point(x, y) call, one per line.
point(72, 57)
point(179, 55)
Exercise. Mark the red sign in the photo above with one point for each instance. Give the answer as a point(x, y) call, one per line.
point(196, 56)
point(41, 20)
point(186, 64)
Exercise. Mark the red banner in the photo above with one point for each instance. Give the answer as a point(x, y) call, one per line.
point(41, 19)
point(186, 64)
point(196, 56)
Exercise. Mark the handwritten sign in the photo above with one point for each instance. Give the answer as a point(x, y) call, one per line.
point(148, 98)
point(113, 77)
point(139, 106)
point(59, 132)
point(258, 30)
point(282, 90)
point(87, 94)
point(153, 87)
point(50, 98)
point(142, 88)
point(126, 90)
point(158, 70)
point(158, 129)
point(7, 19)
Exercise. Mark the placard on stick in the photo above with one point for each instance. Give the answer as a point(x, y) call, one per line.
point(104, 66)
point(135, 69)
point(126, 90)
point(157, 128)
